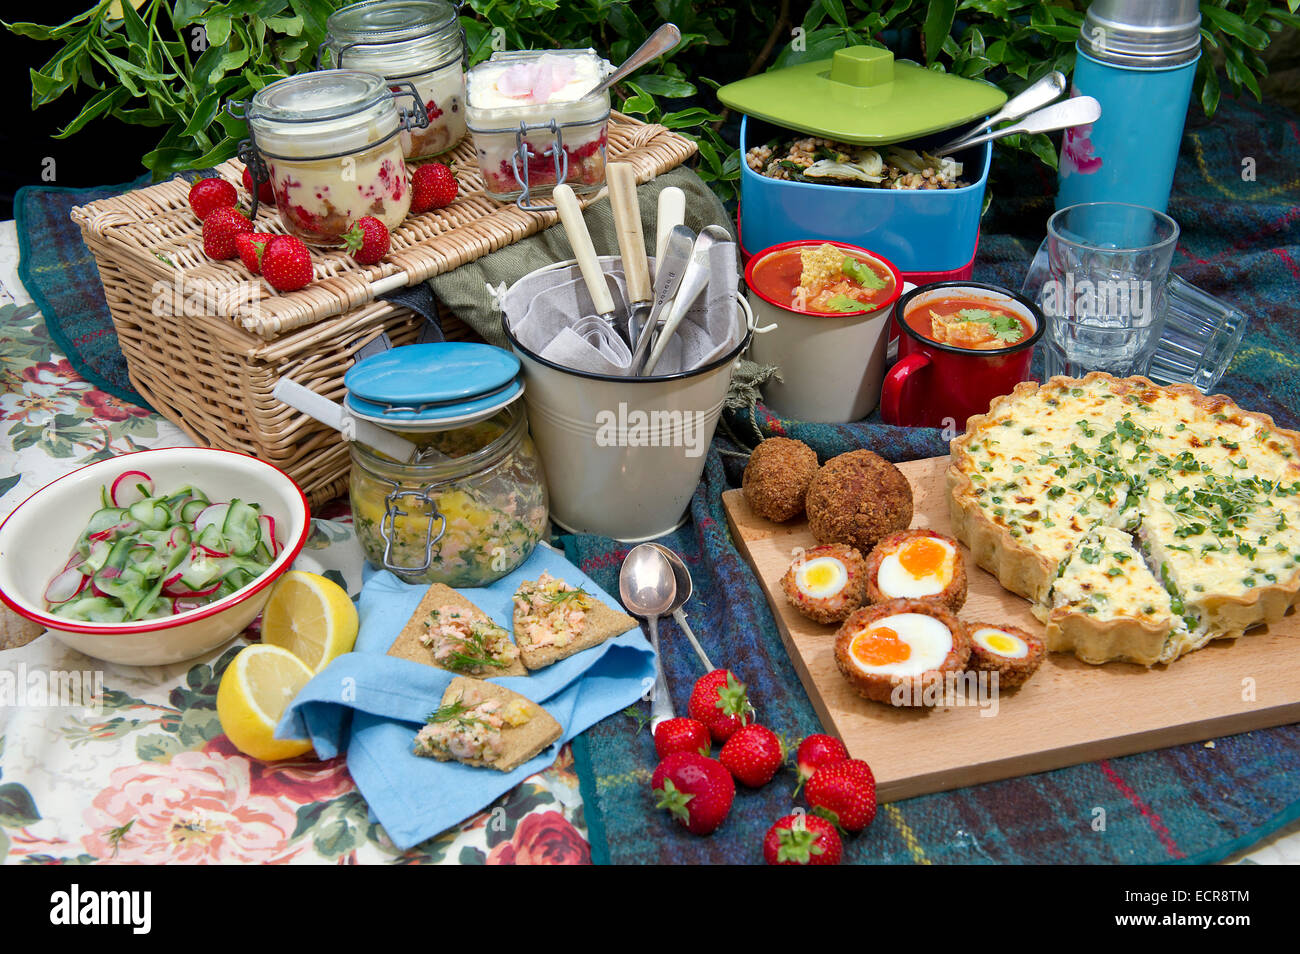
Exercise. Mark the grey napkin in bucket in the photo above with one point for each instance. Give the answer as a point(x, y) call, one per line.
point(463, 289)
point(545, 309)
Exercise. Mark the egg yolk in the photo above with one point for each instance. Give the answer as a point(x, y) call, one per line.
point(1002, 643)
point(819, 576)
point(923, 557)
point(879, 646)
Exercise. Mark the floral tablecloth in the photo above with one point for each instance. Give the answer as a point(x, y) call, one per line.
point(144, 774)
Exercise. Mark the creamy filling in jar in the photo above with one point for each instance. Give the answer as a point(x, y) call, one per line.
point(536, 122)
point(331, 143)
point(418, 41)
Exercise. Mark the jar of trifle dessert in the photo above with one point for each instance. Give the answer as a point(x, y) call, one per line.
point(537, 123)
point(420, 41)
point(330, 142)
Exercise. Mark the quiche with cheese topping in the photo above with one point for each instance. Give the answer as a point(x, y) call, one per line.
point(1143, 521)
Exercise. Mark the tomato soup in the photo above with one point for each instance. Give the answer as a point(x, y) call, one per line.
point(822, 279)
point(974, 324)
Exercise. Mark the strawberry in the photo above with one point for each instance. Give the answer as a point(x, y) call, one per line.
point(432, 187)
point(681, 735)
point(286, 263)
point(720, 702)
point(844, 794)
point(696, 789)
point(367, 240)
point(264, 192)
point(802, 840)
point(752, 755)
point(219, 231)
point(815, 751)
point(208, 195)
point(251, 246)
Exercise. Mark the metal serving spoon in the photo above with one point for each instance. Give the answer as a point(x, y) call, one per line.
point(1044, 90)
point(669, 269)
point(685, 587)
point(694, 281)
point(658, 43)
point(1075, 111)
point(648, 588)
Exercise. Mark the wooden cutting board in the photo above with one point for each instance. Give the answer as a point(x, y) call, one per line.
point(1069, 712)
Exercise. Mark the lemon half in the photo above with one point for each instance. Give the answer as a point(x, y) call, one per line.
point(255, 689)
point(310, 616)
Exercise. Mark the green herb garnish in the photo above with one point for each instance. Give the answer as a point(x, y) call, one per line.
point(862, 273)
point(844, 304)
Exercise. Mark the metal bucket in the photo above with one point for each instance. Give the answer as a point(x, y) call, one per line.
point(623, 456)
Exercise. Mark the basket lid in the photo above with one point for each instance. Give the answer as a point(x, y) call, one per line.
point(862, 95)
point(421, 385)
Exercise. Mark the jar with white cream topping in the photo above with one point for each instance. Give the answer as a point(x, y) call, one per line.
point(330, 142)
point(537, 122)
point(419, 41)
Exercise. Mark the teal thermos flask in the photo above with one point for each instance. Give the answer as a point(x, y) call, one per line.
point(1138, 59)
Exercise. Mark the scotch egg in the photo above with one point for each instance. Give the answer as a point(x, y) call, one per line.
point(917, 564)
point(826, 583)
point(891, 651)
point(1012, 653)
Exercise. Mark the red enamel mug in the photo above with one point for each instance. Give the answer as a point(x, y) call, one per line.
point(935, 384)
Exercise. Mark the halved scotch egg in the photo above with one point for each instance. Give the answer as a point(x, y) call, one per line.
point(892, 651)
point(1012, 653)
point(826, 583)
point(917, 564)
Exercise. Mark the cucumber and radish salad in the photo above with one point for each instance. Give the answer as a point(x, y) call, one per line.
point(145, 555)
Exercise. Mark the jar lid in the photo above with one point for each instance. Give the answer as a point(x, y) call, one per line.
point(323, 112)
point(862, 95)
point(445, 382)
point(389, 21)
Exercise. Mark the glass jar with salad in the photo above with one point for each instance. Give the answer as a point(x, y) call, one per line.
point(470, 503)
point(420, 41)
point(330, 142)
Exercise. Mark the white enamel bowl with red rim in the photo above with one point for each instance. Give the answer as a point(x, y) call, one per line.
point(831, 364)
point(38, 537)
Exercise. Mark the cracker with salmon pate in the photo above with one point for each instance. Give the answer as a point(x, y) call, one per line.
point(486, 725)
point(554, 620)
point(449, 632)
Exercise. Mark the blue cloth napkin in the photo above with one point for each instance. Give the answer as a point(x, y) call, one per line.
point(371, 705)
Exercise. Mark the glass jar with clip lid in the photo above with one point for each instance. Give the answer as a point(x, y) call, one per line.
point(470, 503)
point(329, 144)
point(419, 41)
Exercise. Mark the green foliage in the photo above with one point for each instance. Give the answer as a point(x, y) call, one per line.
point(146, 64)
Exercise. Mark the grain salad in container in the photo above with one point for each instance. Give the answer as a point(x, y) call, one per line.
point(537, 123)
point(418, 41)
point(329, 142)
point(471, 504)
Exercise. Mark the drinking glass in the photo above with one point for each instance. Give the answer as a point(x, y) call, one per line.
point(1104, 298)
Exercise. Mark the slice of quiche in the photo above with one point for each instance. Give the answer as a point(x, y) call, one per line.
point(554, 620)
point(486, 725)
point(1106, 604)
point(450, 632)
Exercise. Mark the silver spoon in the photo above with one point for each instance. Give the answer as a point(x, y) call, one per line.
point(694, 281)
point(669, 269)
point(685, 587)
point(1075, 111)
point(658, 43)
point(648, 588)
point(1045, 90)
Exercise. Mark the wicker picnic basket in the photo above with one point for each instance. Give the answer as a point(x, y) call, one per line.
point(205, 342)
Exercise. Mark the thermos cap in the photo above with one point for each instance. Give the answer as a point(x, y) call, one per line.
point(1142, 33)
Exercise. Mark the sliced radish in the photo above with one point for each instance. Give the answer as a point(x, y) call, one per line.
point(65, 586)
point(76, 559)
point(267, 523)
point(214, 516)
point(130, 487)
point(187, 603)
point(215, 554)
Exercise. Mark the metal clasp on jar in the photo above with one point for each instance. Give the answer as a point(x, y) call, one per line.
point(556, 152)
point(388, 526)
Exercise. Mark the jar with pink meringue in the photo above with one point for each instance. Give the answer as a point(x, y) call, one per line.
point(536, 122)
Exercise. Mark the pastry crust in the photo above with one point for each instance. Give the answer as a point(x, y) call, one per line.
point(1024, 569)
point(952, 596)
point(880, 687)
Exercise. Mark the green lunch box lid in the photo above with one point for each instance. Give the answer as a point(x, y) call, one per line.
point(862, 95)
